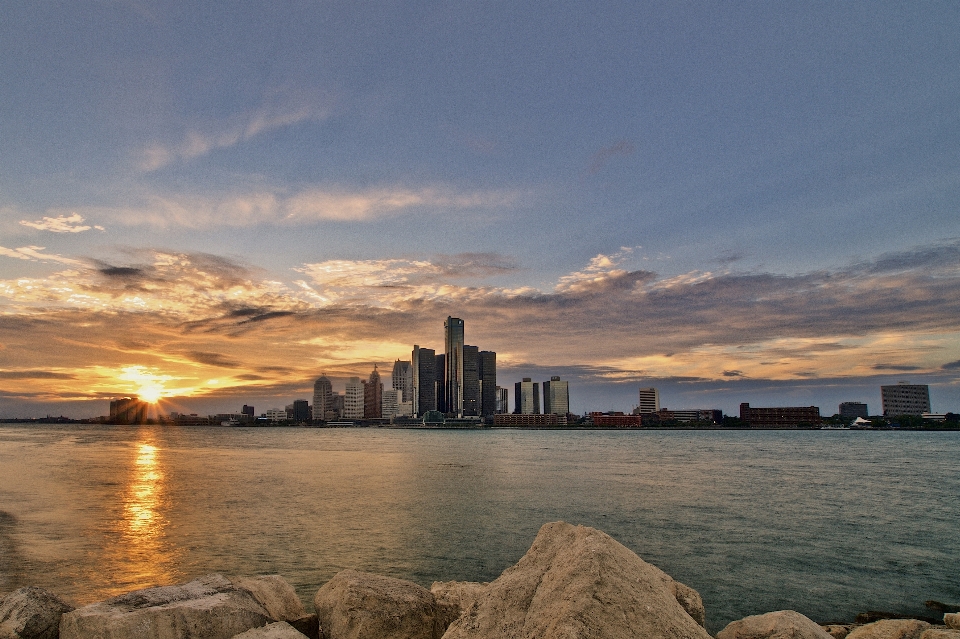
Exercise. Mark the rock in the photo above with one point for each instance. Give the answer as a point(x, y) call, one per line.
point(31, 613)
point(783, 624)
point(308, 625)
point(939, 606)
point(837, 630)
point(577, 582)
point(454, 597)
point(211, 607)
point(890, 629)
point(689, 599)
point(358, 605)
point(875, 615)
point(276, 596)
point(940, 633)
point(278, 630)
point(952, 620)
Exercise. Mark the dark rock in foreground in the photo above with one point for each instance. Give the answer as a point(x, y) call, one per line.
point(31, 613)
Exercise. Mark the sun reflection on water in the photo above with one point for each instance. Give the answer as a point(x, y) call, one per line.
point(144, 493)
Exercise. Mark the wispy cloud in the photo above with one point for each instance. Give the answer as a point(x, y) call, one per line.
point(34, 253)
point(61, 224)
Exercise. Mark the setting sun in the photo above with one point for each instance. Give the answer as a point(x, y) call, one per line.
point(149, 385)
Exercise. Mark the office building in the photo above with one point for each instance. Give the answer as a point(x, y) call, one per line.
point(556, 397)
point(353, 399)
point(852, 410)
point(373, 396)
point(615, 419)
point(402, 380)
point(487, 371)
point(780, 416)
point(301, 410)
point(128, 410)
point(471, 381)
point(649, 400)
point(389, 407)
point(503, 400)
point(526, 397)
point(905, 399)
point(440, 382)
point(322, 399)
point(276, 415)
point(248, 413)
point(424, 368)
point(453, 365)
point(518, 420)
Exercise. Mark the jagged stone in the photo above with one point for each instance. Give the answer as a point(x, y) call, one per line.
point(358, 605)
point(577, 582)
point(890, 629)
point(211, 607)
point(277, 630)
point(783, 624)
point(952, 620)
point(454, 597)
point(31, 613)
point(275, 594)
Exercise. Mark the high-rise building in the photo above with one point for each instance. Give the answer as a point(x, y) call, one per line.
point(424, 365)
point(389, 405)
point(503, 400)
point(248, 412)
point(128, 410)
point(353, 399)
point(905, 399)
point(301, 410)
point(852, 410)
point(440, 382)
point(556, 397)
point(526, 397)
point(488, 382)
point(373, 396)
point(453, 365)
point(322, 398)
point(471, 381)
point(649, 400)
point(402, 380)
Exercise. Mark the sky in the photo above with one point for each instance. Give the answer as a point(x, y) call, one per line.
point(732, 202)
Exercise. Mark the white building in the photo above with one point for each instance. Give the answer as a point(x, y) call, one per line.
point(649, 400)
point(388, 403)
point(353, 399)
point(276, 414)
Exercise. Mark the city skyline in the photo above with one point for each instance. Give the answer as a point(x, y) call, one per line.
point(755, 203)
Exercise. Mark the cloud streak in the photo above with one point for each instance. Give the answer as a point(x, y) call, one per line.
point(61, 224)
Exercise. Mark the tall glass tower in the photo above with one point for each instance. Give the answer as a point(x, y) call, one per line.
point(453, 333)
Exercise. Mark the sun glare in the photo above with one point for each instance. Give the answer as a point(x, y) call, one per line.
point(149, 385)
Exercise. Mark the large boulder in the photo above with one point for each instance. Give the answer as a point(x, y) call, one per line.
point(275, 594)
point(359, 605)
point(31, 613)
point(454, 597)
point(783, 624)
point(940, 633)
point(278, 630)
point(952, 620)
point(211, 607)
point(578, 582)
point(890, 629)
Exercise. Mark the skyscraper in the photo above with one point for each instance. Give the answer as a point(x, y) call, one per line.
point(373, 396)
point(556, 397)
point(503, 400)
point(453, 365)
point(322, 398)
point(440, 382)
point(649, 400)
point(471, 381)
point(353, 399)
point(402, 380)
point(526, 396)
point(488, 383)
point(424, 365)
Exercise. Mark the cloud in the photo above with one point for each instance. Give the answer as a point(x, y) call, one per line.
point(34, 374)
point(951, 366)
point(33, 253)
point(896, 367)
point(61, 224)
point(213, 359)
point(599, 160)
point(733, 374)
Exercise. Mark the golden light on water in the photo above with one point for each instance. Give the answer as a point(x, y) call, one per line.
point(144, 493)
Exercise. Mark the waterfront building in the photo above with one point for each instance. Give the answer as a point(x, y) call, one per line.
point(440, 382)
point(353, 399)
point(338, 404)
point(471, 381)
point(276, 415)
point(527, 420)
point(780, 417)
point(453, 365)
point(713, 415)
point(852, 410)
point(373, 396)
point(905, 399)
point(487, 371)
point(649, 400)
point(128, 410)
point(389, 405)
point(402, 380)
point(404, 409)
point(616, 419)
point(248, 413)
point(503, 401)
point(556, 396)
point(301, 410)
point(526, 397)
point(424, 368)
point(322, 399)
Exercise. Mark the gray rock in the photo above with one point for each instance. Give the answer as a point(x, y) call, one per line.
point(890, 629)
point(211, 607)
point(358, 605)
point(577, 582)
point(952, 620)
point(31, 613)
point(783, 624)
point(278, 630)
point(276, 596)
point(454, 597)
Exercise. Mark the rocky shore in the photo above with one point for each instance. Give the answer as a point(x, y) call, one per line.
point(574, 582)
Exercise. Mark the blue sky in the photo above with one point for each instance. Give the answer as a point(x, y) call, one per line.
point(751, 202)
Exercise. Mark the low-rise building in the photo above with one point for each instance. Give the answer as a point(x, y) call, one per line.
point(780, 416)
